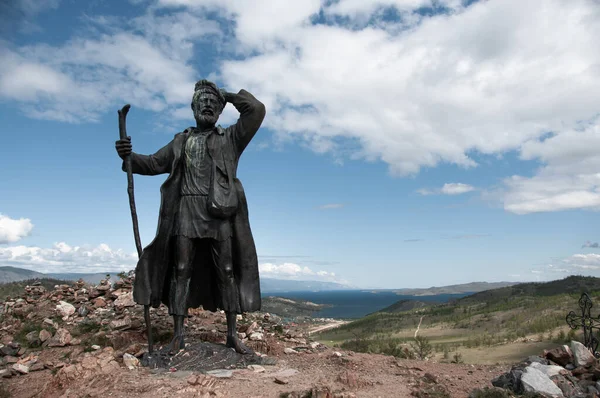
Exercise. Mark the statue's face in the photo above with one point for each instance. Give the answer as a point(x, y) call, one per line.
point(207, 109)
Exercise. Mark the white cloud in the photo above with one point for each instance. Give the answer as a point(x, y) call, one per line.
point(569, 179)
point(144, 61)
point(294, 271)
point(65, 258)
point(427, 91)
point(455, 188)
point(12, 230)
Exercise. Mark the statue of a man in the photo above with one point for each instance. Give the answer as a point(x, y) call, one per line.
point(203, 252)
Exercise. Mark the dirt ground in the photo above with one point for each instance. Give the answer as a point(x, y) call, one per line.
point(348, 375)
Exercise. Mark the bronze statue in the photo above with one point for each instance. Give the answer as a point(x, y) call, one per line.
point(203, 253)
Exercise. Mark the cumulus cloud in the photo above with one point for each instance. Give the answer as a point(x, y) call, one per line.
point(569, 178)
point(339, 77)
point(62, 257)
point(12, 230)
point(144, 61)
point(455, 188)
point(294, 271)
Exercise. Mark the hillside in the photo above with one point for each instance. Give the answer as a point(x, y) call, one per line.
point(12, 274)
point(68, 341)
point(493, 319)
point(288, 308)
point(472, 287)
point(405, 305)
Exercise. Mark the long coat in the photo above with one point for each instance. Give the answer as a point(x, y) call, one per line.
point(154, 271)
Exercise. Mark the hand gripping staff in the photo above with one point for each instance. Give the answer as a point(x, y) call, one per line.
point(136, 230)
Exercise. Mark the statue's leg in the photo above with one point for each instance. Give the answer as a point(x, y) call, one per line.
point(184, 255)
point(230, 301)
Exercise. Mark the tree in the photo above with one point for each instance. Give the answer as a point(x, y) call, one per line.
point(422, 347)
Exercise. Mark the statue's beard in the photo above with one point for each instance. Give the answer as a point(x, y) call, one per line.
point(206, 120)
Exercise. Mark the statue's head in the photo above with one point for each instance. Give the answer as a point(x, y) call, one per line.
point(207, 103)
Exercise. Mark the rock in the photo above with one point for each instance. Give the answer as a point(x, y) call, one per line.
point(561, 355)
point(65, 309)
point(568, 388)
point(61, 338)
point(5, 374)
point(220, 373)
point(288, 350)
point(10, 359)
point(582, 356)
point(99, 302)
point(82, 311)
point(534, 380)
point(202, 380)
point(337, 354)
point(22, 369)
point(37, 367)
point(124, 300)
point(33, 338)
point(314, 345)
point(256, 368)
point(548, 370)
point(120, 324)
point(256, 336)
point(44, 335)
point(130, 361)
point(96, 347)
point(9, 350)
point(536, 359)
point(279, 380)
point(510, 380)
point(251, 328)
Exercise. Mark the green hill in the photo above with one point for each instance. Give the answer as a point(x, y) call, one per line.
point(493, 317)
point(289, 308)
point(405, 305)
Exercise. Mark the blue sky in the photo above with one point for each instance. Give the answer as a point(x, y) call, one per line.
point(407, 143)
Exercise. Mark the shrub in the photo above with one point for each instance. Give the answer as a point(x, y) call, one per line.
point(422, 347)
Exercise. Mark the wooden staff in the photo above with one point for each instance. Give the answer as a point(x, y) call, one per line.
point(136, 231)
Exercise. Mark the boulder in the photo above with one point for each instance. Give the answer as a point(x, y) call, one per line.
point(61, 338)
point(20, 368)
point(124, 300)
point(44, 335)
point(130, 361)
point(534, 380)
point(561, 355)
point(65, 309)
point(582, 356)
point(510, 380)
point(548, 370)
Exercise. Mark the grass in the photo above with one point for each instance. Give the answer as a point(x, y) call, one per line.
point(27, 328)
point(86, 327)
point(484, 326)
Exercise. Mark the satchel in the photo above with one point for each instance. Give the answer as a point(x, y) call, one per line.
point(222, 195)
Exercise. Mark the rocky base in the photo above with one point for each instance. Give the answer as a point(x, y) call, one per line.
point(201, 357)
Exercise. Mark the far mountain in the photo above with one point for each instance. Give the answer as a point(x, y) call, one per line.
point(472, 287)
point(267, 285)
point(13, 274)
point(271, 285)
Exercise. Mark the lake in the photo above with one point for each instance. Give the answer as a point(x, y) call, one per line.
point(352, 304)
